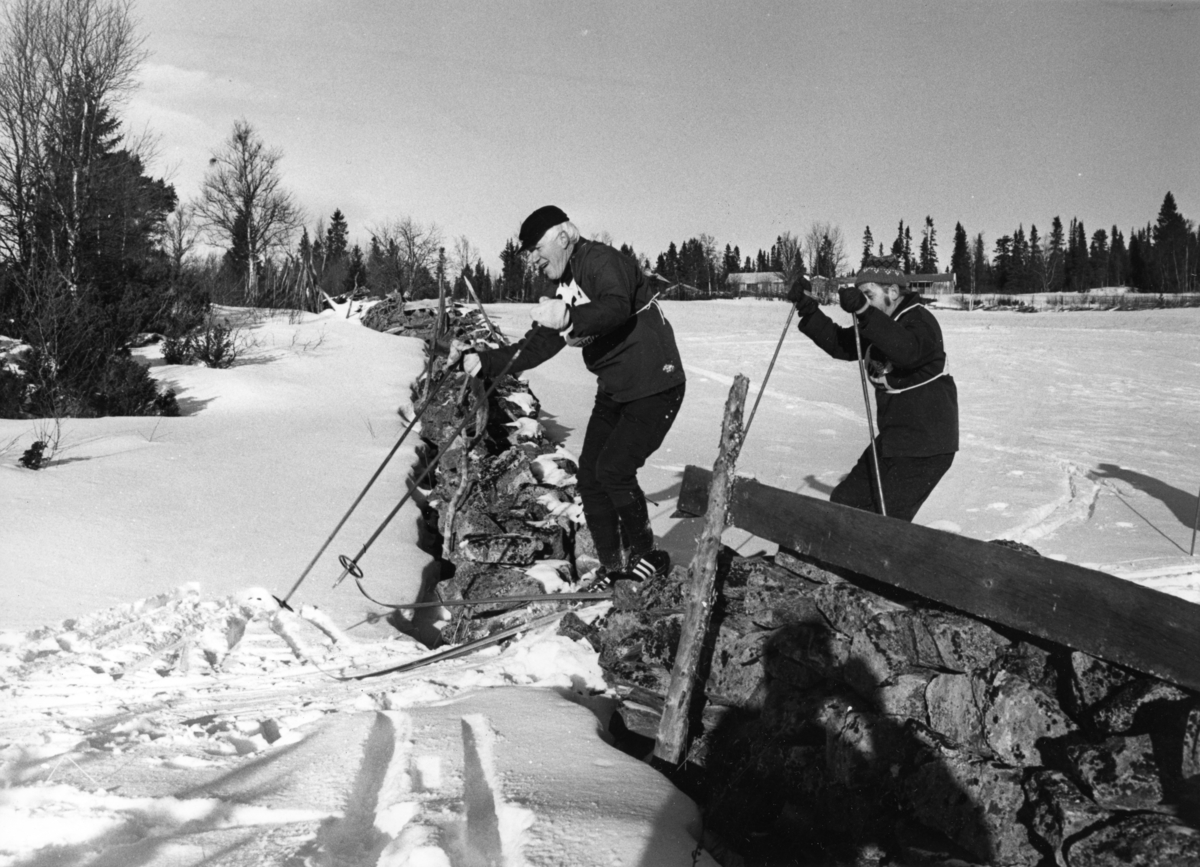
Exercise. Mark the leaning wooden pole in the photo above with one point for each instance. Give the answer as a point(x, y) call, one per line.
point(700, 591)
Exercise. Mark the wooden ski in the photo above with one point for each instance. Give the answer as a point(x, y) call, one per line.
point(518, 599)
point(460, 649)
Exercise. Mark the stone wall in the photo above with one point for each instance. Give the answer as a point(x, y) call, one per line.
point(848, 722)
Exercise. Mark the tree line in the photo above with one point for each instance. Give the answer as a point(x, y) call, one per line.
point(95, 250)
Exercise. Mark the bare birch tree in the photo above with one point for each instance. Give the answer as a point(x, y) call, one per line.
point(182, 235)
point(791, 257)
point(243, 203)
point(825, 249)
point(65, 65)
point(412, 246)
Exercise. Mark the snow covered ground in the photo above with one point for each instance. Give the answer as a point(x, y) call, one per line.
point(146, 542)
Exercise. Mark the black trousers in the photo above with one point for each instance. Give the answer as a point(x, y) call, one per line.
point(619, 439)
point(907, 483)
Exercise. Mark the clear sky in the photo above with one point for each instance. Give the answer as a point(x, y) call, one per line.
point(659, 121)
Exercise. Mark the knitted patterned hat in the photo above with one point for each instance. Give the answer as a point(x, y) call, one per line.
point(882, 270)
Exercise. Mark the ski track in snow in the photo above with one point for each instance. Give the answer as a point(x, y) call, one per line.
point(1076, 504)
point(110, 711)
point(820, 406)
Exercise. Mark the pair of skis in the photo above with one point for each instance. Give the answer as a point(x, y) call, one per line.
point(479, 643)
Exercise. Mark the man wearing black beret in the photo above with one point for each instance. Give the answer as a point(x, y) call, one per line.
point(916, 398)
point(605, 307)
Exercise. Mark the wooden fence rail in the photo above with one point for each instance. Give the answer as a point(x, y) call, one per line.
point(1087, 610)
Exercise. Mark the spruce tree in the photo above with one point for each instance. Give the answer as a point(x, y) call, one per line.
point(1080, 267)
point(1037, 261)
point(1118, 260)
point(898, 244)
point(1098, 256)
point(981, 280)
point(1019, 266)
point(1002, 263)
point(868, 247)
point(336, 236)
point(929, 257)
point(1139, 260)
point(1171, 254)
point(1055, 256)
point(960, 259)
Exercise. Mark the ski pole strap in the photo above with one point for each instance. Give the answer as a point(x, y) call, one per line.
point(351, 564)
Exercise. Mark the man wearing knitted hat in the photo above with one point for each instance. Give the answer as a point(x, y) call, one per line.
point(604, 306)
point(915, 396)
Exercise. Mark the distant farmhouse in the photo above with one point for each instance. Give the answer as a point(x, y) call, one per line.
point(770, 284)
point(924, 284)
point(933, 284)
point(760, 284)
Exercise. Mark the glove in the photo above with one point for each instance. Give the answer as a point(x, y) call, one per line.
point(800, 290)
point(805, 303)
point(471, 364)
point(552, 313)
point(853, 300)
point(457, 348)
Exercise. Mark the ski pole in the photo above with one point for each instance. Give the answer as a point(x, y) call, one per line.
point(770, 367)
point(350, 566)
point(1195, 524)
point(862, 373)
point(479, 303)
point(363, 493)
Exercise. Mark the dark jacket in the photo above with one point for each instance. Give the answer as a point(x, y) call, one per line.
point(626, 340)
point(916, 397)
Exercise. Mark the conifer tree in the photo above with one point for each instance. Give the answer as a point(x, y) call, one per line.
point(1002, 263)
point(868, 247)
point(1019, 266)
point(1055, 256)
point(1080, 269)
point(512, 273)
point(981, 278)
point(928, 251)
point(336, 236)
point(1037, 261)
point(1139, 260)
point(960, 259)
point(1118, 260)
point(1098, 255)
point(898, 244)
point(1172, 259)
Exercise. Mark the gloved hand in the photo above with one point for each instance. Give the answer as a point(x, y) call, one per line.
point(457, 348)
point(471, 364)
point(552, 313)
point(799, 295)
point(853, 300)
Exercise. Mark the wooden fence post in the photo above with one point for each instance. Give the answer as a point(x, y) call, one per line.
point(700, 591)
